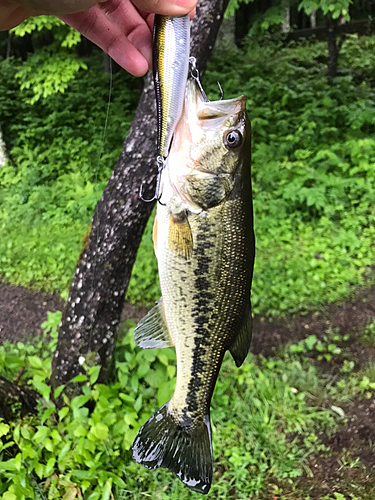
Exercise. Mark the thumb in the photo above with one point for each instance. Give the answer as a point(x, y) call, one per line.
point(166, 7)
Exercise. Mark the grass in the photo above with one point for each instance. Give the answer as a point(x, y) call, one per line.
point(312, 172)
point(271, 422)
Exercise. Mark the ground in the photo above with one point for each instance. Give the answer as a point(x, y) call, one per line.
point(349, 464)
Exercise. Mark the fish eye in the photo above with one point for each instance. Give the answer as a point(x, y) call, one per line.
point(232, 139)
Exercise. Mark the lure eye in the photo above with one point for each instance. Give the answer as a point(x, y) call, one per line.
point(232, 139)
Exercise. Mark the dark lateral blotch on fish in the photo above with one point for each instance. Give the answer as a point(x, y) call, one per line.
point(204, 242)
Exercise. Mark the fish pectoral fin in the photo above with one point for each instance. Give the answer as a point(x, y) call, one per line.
point(152, 331)
point(166, 442)
point(241, 345)
point(180, 239)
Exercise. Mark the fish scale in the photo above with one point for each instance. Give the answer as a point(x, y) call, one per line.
point(204, 243)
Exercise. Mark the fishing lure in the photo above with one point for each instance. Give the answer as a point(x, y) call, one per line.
point(171, 67)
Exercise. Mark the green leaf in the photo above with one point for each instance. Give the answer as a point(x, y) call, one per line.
point(310, 342)
point(79, 378)
point(80, 431)
point(99, 431)
point(107, 489)
point(63, 412)
point(49, 466)
point(9, 496)
point(165, 392)
point(58, 391)
point(39, 470)
point(94, 373)
point(35, 361)
point(4, 429)
point(64, 451)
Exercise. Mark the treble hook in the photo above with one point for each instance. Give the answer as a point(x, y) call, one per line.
point(157, 196)
point(195, 75)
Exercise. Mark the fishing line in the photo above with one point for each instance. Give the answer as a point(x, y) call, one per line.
point(37, 486)
point(96, 178)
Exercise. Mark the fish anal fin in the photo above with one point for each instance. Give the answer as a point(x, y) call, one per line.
point(152, 331)
point(241, 345)
point(180, 239)
point(165, 442)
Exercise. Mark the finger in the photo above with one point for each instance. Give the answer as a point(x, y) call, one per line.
point(128, 21)
point(95, 26)
point(166, 7)
point(11, 15)
point(60, 7)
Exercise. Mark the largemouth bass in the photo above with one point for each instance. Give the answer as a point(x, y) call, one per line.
point(204, 243)
point(171, 45)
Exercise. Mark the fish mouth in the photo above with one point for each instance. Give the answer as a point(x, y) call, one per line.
point(196, 103)
point(201, 128)
point(201, 117)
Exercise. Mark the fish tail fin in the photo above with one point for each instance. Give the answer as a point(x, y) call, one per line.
point(186, 451)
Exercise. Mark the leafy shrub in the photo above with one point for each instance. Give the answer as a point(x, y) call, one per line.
point(59, 170)
point(313, 165)
point(74, 452)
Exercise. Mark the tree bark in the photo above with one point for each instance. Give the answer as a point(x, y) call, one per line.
point(15, 401)
point(313, 19)
point(3, 154)
point(286, 23)
point(92, 314)
point(334, 48)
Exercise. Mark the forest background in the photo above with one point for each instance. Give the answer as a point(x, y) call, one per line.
point(63, 117)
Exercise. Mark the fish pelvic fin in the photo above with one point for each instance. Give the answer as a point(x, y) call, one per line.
point(180, 239)
point(152, 331)
point(241, 345)
point(186, 451)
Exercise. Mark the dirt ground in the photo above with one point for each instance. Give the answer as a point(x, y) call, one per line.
point(349, 467)
point(22, 311)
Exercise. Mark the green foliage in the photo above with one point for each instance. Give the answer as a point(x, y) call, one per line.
point(144, 285)
point(233, 5)
point(48, 73)
point(51, 66)
point(38, 24)
point(33, 356)
point(313, 161)
point(313, 164)
point(69, 450)
point(353, 381)
point(61, 165)
point(83, 447)
point(275, 14)
point(336, 8)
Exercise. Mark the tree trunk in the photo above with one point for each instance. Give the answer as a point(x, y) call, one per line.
point(9, 45)
point(333, 48)
point(313, 19)
point(3, 155)
point(15, 401)
point(92, 314)
point(286, 23)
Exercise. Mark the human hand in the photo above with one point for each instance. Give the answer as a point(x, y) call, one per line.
point(122, 28)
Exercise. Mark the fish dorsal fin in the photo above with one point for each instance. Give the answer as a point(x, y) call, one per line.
point(152, 331)
point(180, 239)
point(241, 345)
